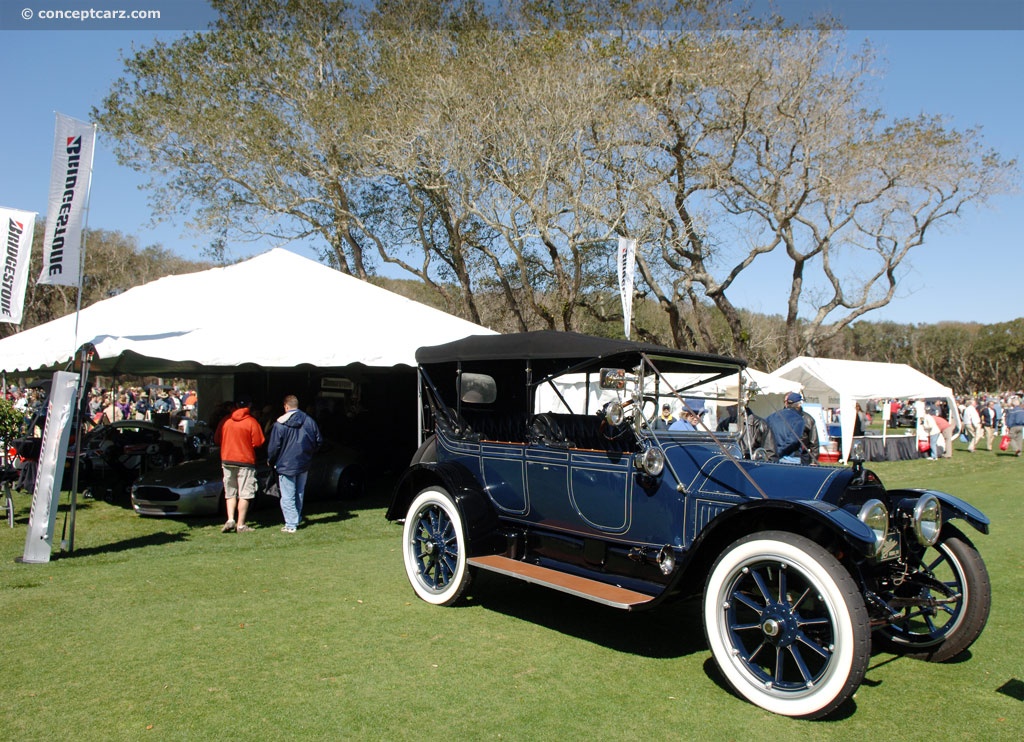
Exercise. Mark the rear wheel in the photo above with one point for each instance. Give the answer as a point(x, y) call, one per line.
point(351, 483)
point(951, 581)
point(434, 548)
point(786, 624)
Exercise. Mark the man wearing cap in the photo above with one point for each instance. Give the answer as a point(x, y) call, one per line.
point(796, 435)
point(238, 435)
point(665, 419)
point(163, 402)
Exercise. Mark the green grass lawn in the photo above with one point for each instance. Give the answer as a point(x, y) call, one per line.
point(176, 631)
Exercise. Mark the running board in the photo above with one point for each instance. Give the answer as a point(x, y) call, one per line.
point(600, 592)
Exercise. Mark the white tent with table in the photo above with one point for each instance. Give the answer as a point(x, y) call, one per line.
point(836, 383)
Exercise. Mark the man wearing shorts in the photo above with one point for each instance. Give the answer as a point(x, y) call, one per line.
point(238, 435)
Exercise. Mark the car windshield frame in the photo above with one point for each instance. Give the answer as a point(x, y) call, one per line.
point(524, 362)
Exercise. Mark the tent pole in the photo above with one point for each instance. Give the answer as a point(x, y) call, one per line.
point(77, 418)
point(8, 500)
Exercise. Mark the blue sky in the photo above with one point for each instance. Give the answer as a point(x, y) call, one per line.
point(972, 77)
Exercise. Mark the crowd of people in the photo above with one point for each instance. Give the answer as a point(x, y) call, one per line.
point(31, 403)
point(790, 435)
point(991, 416)
point(170, 406)
point(291, 438)
point(995, 419)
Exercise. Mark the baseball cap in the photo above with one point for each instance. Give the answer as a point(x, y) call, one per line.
point(794, 397)
point(243, 402)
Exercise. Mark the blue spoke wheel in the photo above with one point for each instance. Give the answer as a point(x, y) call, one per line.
point(954, 595)
point(786, 624)
point(434, 548)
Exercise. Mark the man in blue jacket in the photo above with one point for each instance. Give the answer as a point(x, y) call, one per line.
point(294, 439)
point(1014, 420)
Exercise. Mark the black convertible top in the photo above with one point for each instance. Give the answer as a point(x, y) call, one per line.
point(569, 348)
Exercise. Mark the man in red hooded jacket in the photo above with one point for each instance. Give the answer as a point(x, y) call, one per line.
point(238, 435)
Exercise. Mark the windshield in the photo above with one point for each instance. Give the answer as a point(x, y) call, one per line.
point(703, 398)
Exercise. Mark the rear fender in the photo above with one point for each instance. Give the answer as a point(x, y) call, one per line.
point(477, 513)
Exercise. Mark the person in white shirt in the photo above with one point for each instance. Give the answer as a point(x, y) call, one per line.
point(972, 424)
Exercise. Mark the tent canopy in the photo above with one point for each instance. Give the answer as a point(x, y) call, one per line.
point(840, 383)
point(276, 310)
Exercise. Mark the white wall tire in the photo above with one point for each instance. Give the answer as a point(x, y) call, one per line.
point(955, 577)
point(434, 548)
point(786, 624)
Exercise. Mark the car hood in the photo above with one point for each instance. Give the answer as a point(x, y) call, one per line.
point(704, 469)
point(175, 476)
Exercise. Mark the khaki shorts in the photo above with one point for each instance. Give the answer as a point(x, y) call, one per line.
point(239, 481)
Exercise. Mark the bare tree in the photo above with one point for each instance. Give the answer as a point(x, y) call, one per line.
point(497, 159)
point(767, 146)
point(249, 127)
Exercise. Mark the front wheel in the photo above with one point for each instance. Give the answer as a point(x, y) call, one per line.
point(950, 596)
point(786, 624)
point(434, 548)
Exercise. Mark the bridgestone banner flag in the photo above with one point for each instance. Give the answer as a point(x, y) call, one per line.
point(42, 518)
point(626, 266)
point(69, 195)
point(16, 229)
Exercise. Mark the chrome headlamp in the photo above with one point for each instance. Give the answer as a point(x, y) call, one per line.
point(666, 559)
point(927, 519)
point(614, 413)
point(874, 515)
point(651, 461)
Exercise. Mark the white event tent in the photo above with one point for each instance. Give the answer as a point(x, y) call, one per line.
point(771, 391)
point(841, 383)
point(275, 310)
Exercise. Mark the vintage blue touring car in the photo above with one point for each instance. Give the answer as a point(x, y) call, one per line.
point(541, 460)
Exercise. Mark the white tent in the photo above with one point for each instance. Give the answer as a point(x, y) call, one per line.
point(771, 391)
point(276, 310)
point(839, 383)
point(722, 393)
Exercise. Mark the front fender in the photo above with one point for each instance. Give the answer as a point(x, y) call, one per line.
point(793, 515)
point(477, 513)
point(952, 507)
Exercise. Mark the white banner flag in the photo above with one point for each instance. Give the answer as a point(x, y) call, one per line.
point(69, 196)
point(626, 265)
point(42, 518)
point(16, 229)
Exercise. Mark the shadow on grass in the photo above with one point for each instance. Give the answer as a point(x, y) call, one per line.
point(268, 515)
point(379, 490)
point(846, 709)
point(139, 542)
point(670, 631)
point(1013, 688)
